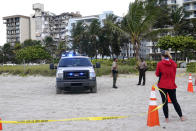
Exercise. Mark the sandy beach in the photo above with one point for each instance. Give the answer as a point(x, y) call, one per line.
point(34, 98)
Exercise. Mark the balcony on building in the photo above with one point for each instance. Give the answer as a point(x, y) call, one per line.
point(171, 2)
point(194, 6)
point(191, 16)
point(188, 1)
point(5, 22)
point(194, 14)
point(188, 7)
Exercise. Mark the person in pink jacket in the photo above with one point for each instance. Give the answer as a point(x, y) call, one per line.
point(166, 71)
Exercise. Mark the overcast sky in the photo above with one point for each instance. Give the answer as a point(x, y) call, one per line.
point(85, 7)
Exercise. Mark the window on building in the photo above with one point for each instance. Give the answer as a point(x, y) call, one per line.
point(187, 14)
point(187, 6)
point(174, 7)
point(173, 1)
point(194, 13)
point(89, 20)
point(18, 39)
point(73, 24)
point(163, 2)
point(17, 31)
point(186, 0)
point(194, 5)
point(17, 19)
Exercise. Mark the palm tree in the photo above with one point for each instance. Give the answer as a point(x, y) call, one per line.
point(8, 54)
point(178, 20)
point(192, 28)
point(104, 42)
point(50, 46)
point(179, 23)
point(112, 35)
point(62, 47)
point(138, 22)
point(77, 34)
point(93, 31)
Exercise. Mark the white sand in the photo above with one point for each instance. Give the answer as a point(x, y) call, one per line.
point(32, 98)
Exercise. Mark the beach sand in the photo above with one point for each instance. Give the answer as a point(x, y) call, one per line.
point(34, 98)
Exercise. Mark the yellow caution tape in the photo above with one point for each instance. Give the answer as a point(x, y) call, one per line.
point(160, 106)
point(89, 118)
point(71, 119)
point(82, 118)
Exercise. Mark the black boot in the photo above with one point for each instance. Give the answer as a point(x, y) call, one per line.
point(115, 86)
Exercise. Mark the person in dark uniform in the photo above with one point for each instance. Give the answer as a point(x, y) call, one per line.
point(142, 71)
point(114, 72)
point(166, 71)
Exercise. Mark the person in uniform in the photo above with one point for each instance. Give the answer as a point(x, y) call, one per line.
point(142, 71)
point(114, 72)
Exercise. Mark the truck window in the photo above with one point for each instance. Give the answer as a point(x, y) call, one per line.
point(74, 62)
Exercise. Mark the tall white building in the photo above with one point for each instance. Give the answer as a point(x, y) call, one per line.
point(38, 26)
point(100, 17)
point(190, 6)
point(87, 20)
point(17, 28)
point(45, 23)
point(39, 22)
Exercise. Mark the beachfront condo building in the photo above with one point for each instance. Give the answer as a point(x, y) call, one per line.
point(17, 28)
point(190, 6)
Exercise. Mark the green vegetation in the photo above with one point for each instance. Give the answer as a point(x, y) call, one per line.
point(148, 20)
point(191, 67)
point(124, 67)
point(32, 54)
point(185, 44)
point(28, 70)
point(44, 70)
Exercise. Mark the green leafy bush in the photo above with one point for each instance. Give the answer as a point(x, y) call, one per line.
point(191, 67)
point(108, 62)
point(151, 65)
point(32, 54)
point(123, 69)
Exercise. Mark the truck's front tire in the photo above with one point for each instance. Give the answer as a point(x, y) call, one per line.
point(94, 89)
point(58, 91)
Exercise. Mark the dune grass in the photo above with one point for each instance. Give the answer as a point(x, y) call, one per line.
point(28, 70)
point(44, 70)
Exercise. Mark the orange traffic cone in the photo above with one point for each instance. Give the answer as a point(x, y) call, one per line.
point(153, 116)
point(190, 84)
point(1, 128)
point(168, 98)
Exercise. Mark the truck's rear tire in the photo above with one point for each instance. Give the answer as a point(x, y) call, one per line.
point(94, 89)
point(58, 91)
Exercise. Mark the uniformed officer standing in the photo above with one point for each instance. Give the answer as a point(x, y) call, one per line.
point(114, 72)
point(142, 71)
